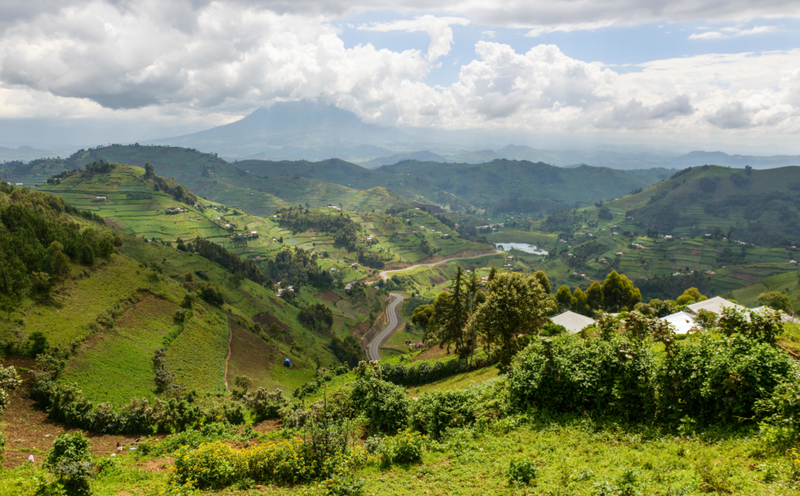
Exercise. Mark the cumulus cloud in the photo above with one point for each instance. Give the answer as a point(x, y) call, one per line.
point(195, 59)
point(635, 114)
point(438, 28)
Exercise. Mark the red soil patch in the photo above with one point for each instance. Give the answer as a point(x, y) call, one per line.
point(267, 426)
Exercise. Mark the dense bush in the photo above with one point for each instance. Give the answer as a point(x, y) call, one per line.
point(435, 412)
point(385, 405)
point(405, 447)
point(720, 379)
point(780, 412)
point(265, 405)
point(615, 377)
point(71, 462)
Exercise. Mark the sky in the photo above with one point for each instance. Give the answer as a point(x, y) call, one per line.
point(704, 73)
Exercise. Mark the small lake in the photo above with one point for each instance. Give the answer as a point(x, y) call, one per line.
point(521, 247)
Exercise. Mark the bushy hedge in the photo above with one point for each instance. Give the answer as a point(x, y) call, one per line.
point(565, 374)
point(385, 405)
point(713, 379)
point(720, 379)
point(66, 403)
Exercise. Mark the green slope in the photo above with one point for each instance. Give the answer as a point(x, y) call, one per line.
point(760, 206)
point(520, 186)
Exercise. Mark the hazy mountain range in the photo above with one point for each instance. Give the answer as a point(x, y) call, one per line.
point(314, 131)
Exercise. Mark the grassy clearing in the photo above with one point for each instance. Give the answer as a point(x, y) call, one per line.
point(81, 301)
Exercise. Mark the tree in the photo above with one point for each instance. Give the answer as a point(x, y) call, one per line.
point(619, 293)
point(14, 280)
point(564, 298)
point(579, 303)
point(543, 280)
point(594, 296)
point(516, 305)
point(149, 171)
point(452, 312)
point(689, 296)
point(775, 300)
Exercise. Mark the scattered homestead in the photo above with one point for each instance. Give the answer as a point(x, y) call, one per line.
point(682, 321)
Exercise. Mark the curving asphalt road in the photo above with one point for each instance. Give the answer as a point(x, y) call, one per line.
point(394, 320)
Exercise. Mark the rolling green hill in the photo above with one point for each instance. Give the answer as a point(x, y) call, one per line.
point(116, 309)
point(712, 227)
point(504, 186)
point(213, 178)
point(756, 206)
point(260, 187)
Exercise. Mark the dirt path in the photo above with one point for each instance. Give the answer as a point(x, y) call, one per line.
point(228, 357)
point(433, 264)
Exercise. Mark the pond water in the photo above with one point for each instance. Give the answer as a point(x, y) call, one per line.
point(521, 247)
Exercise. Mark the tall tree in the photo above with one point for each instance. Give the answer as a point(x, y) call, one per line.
point(594, 296)
point(564, 298)
point(619, 293)
point(452, 313)
point(543, 280)
point(516, 306)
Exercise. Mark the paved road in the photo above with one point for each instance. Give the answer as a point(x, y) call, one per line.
point(433, 264)
point(394, 320)
point(391, 311)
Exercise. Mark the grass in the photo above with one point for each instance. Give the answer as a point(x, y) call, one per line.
point(458, 381)
point(197, 355)
point(571, 456)
point(123, 356)
point(80, 302)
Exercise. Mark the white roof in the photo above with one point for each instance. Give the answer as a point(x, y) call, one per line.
point(682, 321)
point(784, 316)
point(572, 321)
point(714, 305)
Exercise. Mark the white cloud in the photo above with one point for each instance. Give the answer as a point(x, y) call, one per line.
point(732, 32)
point(211, 62)
point(438, 28)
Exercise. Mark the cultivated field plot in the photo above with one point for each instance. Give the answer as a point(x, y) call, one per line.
point(197, 355)
point(123, 356)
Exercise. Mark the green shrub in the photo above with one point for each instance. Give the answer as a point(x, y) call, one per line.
point(521, 471)
point(435, 412)
point(405, 447)
point(71, 462)
point(780, 414)
point(720, 379)
point(265, 405)
point(385, 405)
point(568, 374)
point(209, 466)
